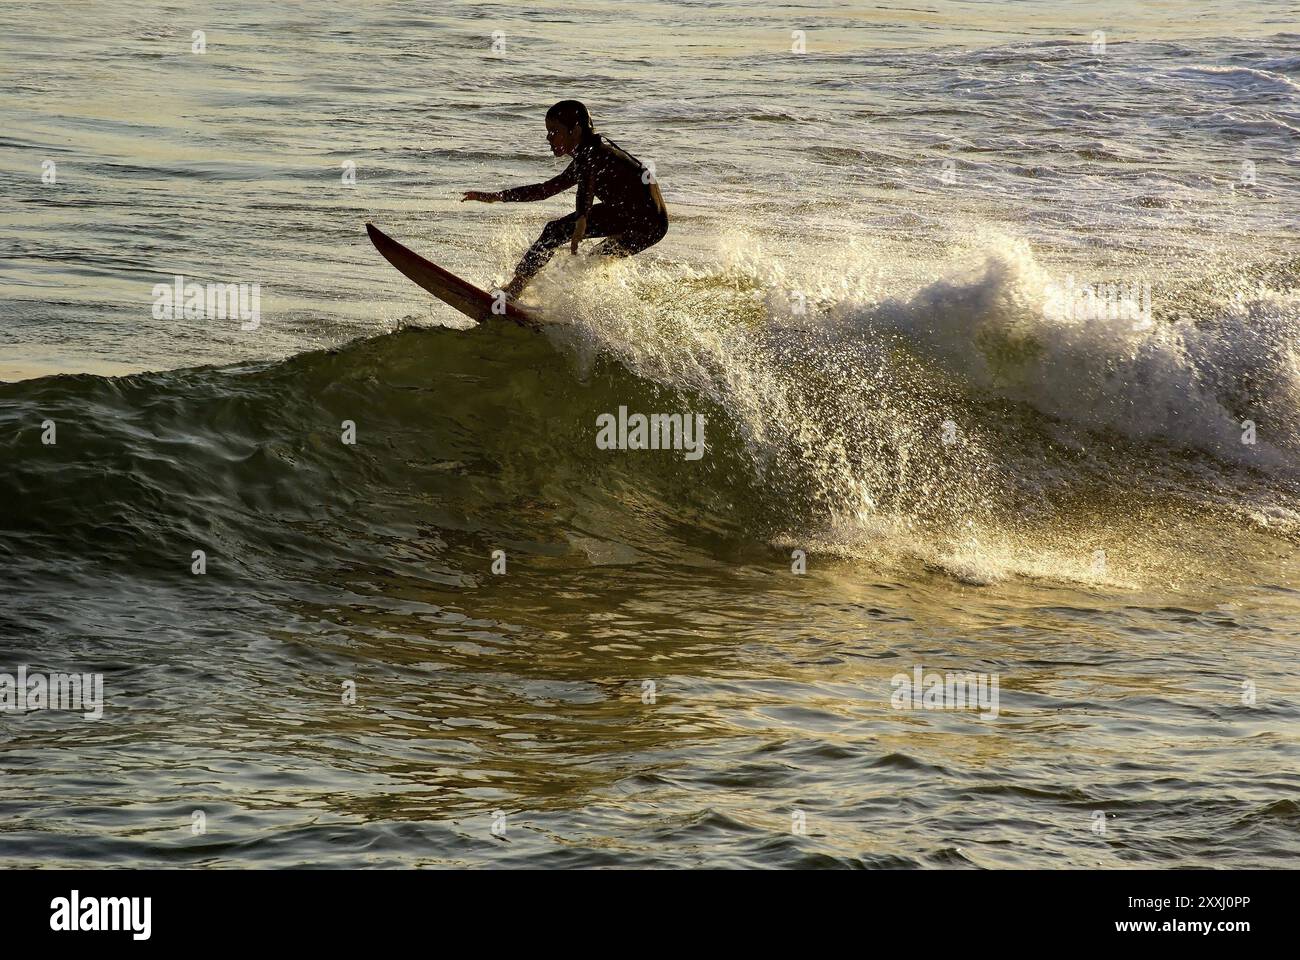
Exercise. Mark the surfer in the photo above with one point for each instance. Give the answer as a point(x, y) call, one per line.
point(631, 213)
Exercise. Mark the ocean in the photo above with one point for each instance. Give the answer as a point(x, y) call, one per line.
point(989, 313)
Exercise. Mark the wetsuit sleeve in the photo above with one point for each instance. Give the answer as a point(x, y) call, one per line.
point(540, 191)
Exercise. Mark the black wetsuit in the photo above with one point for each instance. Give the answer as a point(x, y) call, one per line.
point(632, 212)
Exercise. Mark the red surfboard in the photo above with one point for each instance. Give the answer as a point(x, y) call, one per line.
point(446, 286)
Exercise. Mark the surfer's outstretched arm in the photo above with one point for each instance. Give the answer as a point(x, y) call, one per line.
point(534, 191)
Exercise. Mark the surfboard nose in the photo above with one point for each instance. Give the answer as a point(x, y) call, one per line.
point(446, 286)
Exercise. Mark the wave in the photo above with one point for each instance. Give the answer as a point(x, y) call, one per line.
point(1249, 77)
point(958, 425)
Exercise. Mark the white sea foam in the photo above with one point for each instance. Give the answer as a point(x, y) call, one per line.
point(815, 386)
point(1190, 384)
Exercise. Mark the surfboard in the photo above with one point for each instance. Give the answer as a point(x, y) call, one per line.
point(445, 285)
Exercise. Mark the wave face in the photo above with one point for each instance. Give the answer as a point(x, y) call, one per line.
point(961, 425)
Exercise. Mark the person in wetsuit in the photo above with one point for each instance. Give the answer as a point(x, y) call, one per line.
point(631, 214)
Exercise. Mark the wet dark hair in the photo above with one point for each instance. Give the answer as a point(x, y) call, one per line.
point(571, 113)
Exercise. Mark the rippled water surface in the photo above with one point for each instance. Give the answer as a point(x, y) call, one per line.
point(852, 294)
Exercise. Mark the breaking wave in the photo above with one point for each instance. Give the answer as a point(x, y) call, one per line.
point(956, 424)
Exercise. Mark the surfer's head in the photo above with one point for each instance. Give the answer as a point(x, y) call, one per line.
point(566, 124)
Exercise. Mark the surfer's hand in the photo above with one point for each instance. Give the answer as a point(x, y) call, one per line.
point(480, 196)
point(579, 229)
